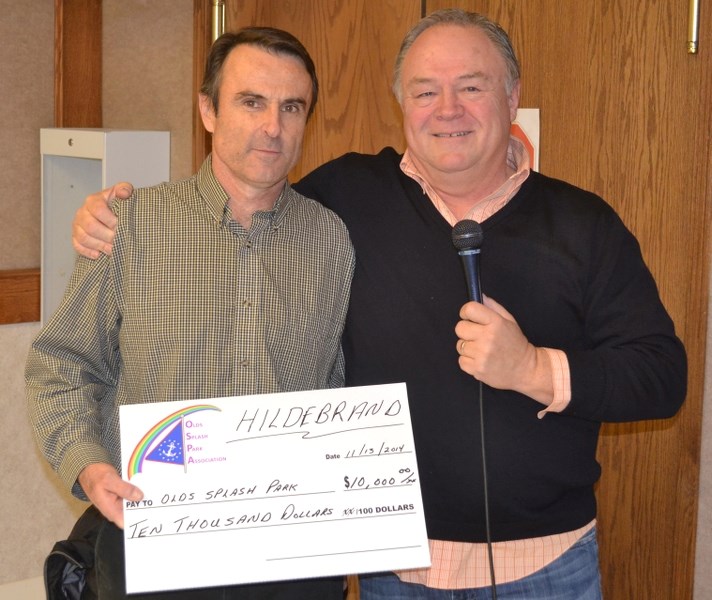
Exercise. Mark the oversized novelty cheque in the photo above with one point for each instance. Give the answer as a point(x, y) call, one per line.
point(271, 487)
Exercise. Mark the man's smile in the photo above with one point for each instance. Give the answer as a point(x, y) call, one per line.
point(453, 134)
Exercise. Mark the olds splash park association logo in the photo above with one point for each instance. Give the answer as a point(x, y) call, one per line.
point(165, 442)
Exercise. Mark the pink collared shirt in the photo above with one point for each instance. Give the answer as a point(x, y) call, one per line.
point(461, 565)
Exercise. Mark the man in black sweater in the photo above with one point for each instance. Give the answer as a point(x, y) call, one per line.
point(571, 332)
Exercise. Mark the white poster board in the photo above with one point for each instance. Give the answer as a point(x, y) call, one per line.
point(271, 487)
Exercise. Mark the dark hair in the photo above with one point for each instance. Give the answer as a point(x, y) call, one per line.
point(275, 41)
point(456, 16)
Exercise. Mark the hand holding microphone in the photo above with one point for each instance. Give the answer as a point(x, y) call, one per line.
point(491, 345)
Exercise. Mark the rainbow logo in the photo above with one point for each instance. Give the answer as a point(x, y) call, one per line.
point(167, 432)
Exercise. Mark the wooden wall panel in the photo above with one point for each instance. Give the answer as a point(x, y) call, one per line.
point(78, 63)
point(202, 36)
point(625, 112)
point(19, 296)
point(353, 47)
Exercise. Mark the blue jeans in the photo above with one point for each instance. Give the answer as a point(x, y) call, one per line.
point(572, 576)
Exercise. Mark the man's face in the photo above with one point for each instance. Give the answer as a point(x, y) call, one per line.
point(259, 123)
point(456, 109)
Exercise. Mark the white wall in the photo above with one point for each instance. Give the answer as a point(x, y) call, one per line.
point(35, 510)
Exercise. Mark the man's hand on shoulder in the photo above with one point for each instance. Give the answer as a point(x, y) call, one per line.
point(94, 223)
point(107, 491)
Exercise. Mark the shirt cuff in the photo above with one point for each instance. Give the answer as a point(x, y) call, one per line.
point(561, 381)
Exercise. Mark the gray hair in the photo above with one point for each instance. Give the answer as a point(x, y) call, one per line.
point(456, 16)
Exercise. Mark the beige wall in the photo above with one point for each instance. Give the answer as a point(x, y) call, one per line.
point(26, 88)
point(35, 510)
point(148, 71)
point(147, 85)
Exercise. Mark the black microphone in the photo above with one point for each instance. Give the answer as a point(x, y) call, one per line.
point(467, 237)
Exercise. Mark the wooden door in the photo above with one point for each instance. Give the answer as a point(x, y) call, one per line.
point(353, 46)
point(625, 112)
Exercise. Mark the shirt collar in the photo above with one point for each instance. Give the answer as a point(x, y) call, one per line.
point(216, 198)
point(517, 159)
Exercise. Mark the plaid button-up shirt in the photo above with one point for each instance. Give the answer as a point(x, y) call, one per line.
point(189, 305)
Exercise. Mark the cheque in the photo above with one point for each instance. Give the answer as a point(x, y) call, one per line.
point(270, 487)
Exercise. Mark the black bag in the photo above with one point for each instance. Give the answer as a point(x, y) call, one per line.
point(69, 567)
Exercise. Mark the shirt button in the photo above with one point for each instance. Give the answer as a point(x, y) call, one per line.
point(246, 304)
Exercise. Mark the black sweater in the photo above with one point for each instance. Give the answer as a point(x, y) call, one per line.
point(563, 264)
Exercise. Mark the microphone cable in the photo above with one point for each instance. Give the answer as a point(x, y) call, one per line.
point(485, 486)
point(467, 237)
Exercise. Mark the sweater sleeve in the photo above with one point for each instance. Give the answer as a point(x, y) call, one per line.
point(634, 367)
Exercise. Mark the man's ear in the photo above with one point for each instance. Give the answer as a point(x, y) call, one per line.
point(513, 100)
point(207, 112)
